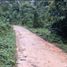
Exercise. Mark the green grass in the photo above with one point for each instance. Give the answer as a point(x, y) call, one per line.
point(51, 37)
point(7, 47)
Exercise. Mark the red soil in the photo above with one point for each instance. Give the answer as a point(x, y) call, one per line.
point(33, 51)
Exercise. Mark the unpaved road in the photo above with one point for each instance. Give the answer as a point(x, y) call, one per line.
point(33, 51)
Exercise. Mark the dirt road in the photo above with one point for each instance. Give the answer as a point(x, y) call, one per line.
point(33, 51)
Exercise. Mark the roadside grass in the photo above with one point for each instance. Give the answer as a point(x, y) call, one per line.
point(51, 37)
point(7, 47)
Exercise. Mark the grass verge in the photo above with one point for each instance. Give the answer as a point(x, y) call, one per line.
point(7, 47)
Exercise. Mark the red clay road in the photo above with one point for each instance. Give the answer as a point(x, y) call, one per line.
point(33, 51)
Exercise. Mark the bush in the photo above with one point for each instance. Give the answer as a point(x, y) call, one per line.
point(7, 45)
point(60, 28)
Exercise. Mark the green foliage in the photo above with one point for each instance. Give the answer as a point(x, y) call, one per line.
point(37, 14)
point(7, 45)
point(60, 24)
point(7, 50)
point(21, 13)
point(3, 27)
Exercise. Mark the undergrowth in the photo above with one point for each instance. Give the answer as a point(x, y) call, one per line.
point(7, 46)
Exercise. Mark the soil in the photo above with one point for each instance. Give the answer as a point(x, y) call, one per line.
point(33, 51)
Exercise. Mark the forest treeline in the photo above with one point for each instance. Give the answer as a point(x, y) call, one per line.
point(36, 13)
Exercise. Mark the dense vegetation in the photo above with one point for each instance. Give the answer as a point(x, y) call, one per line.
point(7, 45)
point(44, 17)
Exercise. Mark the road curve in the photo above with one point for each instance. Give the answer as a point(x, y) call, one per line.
point(33, 51)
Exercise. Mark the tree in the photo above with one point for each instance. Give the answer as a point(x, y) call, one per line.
point(60, 25)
